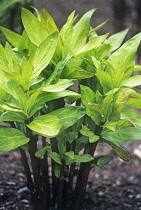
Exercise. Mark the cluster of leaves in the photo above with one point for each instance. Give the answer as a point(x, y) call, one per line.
point(37, 71)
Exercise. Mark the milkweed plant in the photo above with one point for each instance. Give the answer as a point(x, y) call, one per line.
point(62, 92)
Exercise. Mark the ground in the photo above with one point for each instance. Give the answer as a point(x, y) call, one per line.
point(116, 186)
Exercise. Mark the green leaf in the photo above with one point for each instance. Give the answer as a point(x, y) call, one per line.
point(57, 170)
point(121, 75)
point(137, 68)
point(132, 81)
point(105, 80)
point(70, 154)
point(95, 112)
point(121, 152)
point(2, 51)
point(41, 152)
point(122, 134)
point(61, 142)
point(42, 56)
point(12, 116)
point(7, 107)
point(79, 159)
point(48, 22)
point(71, 99)
point(17, 92)
point(98, 27)
point(34, 28)
point(86, 132)
point(80, 143)
point(75, 72)
point(121, 99)
point(125, 54)
point(101, 52)
point(46, 125)
point(133, 102)
point(45, 97)
point(101, 161)
point(116, 40)
point(30, 103)
point(61, 85)
point(87, 95)
point(55, 156)
point(25, 44)
point(92, 43)
point(11, 36)
point(11, 58)
point(69, 115)
point(108, 106)
point(64, 32)
point(83, 158)
point(77, 39)
point(131, 115)
point(11, 138)
point(58, 71)
point(71, 136)
point(109, 68)
point(112, 125)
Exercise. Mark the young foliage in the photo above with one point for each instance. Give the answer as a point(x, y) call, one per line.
point(68, 89)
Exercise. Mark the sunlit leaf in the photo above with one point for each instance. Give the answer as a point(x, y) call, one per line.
point(11, 36)
point(132, 81)
point(69, 115)
point(87, 95)
point(75, 72)
point(125, 54)
point(11, 138)
point(61, 85)
point(122, 134)
point(35, 30)
point(105, 80)
point(12, 116)
point(116, 39)
point(131, 115)
point(80, 31)
point(46, 125)
point(133, 102)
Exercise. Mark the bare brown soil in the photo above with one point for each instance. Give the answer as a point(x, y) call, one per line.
point(116, 186)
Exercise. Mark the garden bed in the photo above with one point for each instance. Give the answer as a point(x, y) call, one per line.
point(116, 186)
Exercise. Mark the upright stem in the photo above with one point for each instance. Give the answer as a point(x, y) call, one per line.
point(46, 192)
point(82, 179)
point(27, 171)
point(60, 189)
point(55, 180)
point(36, 171)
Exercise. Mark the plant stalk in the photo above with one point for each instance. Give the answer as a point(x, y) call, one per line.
point(82, 179)
point(27, 171)
point(38, 203)
point(60, 188)
point(46, 192)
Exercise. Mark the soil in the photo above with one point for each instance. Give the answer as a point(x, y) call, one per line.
point(116, 186)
